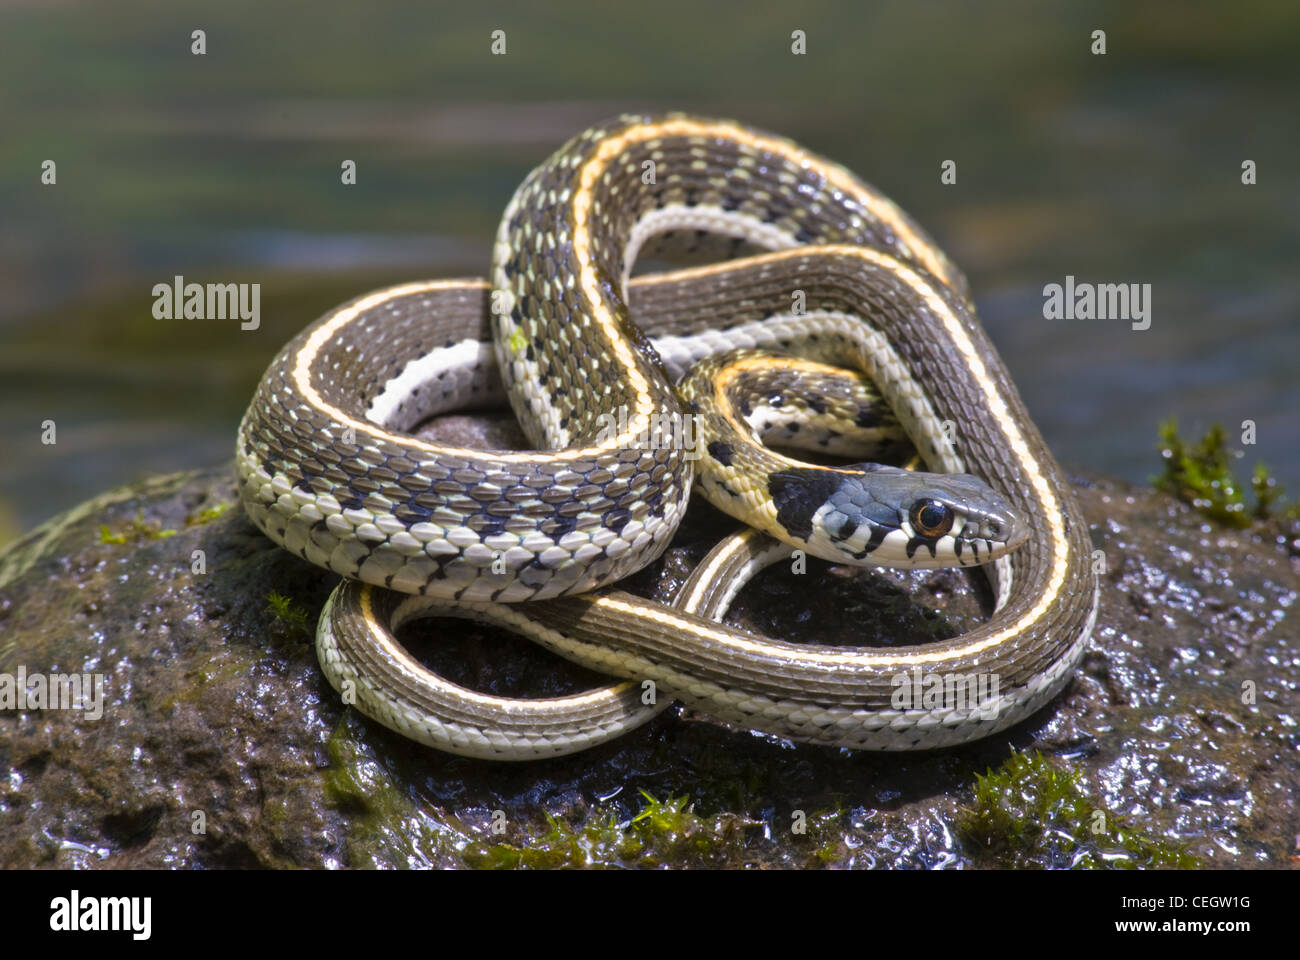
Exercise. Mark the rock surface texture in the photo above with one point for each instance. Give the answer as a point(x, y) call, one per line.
point(221, 745)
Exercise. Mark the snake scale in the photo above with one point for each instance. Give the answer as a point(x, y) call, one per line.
point(597, 368)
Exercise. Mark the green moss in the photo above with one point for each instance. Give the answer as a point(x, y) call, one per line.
point(1268, 495)
point(1031, 813)
point(138, 530)
point(135, 531)
point(1200, 475)
point(345, 788)
point(824, 836)
point(383, 827)
point(663, 833)
point(206, 516)
point(288, 612)
point(595, 844)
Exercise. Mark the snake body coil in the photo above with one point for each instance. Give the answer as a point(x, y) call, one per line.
point(328, 471)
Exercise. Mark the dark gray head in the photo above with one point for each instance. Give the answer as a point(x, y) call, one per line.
point(874, 515)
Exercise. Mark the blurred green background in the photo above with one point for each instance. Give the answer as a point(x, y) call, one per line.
point(1123, 168)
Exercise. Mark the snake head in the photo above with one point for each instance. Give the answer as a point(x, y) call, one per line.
point(872, 515)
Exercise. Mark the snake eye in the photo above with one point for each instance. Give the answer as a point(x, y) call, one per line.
point(930, 518)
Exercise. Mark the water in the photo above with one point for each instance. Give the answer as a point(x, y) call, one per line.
point(1123, 168)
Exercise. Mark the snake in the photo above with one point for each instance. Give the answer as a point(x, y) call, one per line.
point(814, 267)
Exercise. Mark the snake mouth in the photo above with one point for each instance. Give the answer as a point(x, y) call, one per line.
point(984, 536)
point(1003, 529)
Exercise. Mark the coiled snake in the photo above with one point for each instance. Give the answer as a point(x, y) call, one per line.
point(589, 359)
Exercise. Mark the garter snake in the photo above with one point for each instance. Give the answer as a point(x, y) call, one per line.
point(328, 471)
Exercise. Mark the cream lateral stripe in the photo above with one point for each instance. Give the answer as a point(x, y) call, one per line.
point(734, 368)
point(720, 559)
point(322, 334)
point(384, 640)
point(705, 578)
point(588, 281)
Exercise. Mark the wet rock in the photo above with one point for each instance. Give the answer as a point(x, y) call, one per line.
point(220, 744)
